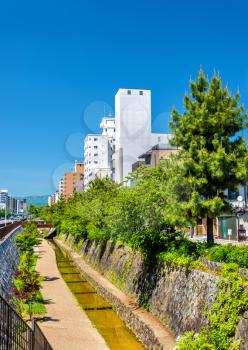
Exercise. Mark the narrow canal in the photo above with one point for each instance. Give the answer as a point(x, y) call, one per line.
point(99, 311)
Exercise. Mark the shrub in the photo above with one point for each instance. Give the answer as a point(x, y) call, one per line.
point(192, 341)
point(175, 259)
point(229, 254)
point(26, 241)
point(26, 279)
point(28, 238)
point(231, 301)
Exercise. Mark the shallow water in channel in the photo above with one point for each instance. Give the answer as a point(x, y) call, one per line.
point(99, 311)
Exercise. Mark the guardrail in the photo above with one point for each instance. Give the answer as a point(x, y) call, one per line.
point(4, 231)
point(16, 334)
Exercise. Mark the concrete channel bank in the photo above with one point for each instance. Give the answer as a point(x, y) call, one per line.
point(147, 328)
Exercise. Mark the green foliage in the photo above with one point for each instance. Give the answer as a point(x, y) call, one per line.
point(231, 301)
point(214, 158)
point(37, 307)
point(8, 213)
point(229, 254)
point(28, 238)
point(191, 341)
point(34, 210)
point(175, 259)
point(27, 282)
point(134, 216)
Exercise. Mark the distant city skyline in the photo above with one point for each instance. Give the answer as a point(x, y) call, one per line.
point(61, 65)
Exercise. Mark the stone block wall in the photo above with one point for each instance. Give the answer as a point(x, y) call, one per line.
point(9, 259)
point(178, 298)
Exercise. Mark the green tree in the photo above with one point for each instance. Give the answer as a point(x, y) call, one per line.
point(8, 213)
point(213, 155)
point(34, 210)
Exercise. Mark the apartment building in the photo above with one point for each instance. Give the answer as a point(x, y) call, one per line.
point(96, 157)
point(98, 149)
point(72, 181)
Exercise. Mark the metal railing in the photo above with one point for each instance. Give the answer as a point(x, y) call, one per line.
point(15, 333)
point(40, 341)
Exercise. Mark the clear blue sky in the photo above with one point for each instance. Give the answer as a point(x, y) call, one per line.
point(60, 59)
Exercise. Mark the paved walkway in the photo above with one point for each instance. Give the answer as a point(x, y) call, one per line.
point(67, 327)
point(201, 238)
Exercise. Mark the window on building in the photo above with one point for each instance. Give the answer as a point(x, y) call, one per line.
point(96, 162)
point(159, 139)
point(129, 92)
point(95, 138)
point(95, 147)
point(95, 154)
point(141, 93)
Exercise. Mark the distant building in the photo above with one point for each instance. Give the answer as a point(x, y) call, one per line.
point(22, 206)
point(12, 204)
point(52, 199)
point(4, 198)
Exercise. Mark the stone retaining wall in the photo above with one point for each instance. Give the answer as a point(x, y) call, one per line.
point(147, 328)
point(177, 297)
point(9, 259)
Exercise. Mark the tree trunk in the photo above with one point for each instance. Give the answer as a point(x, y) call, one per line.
point(191, 231)
point(210, 230)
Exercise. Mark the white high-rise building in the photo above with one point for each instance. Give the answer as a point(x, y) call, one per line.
point(98, 152)
point(108, 128)
point(133, 130)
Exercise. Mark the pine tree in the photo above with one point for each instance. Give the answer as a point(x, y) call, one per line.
point(213, 153)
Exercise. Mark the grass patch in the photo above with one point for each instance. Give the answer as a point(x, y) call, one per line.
point(37, 307)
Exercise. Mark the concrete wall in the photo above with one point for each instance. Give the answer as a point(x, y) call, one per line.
point(176, 296)
point(9, 259)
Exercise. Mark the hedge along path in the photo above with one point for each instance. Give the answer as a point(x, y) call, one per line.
point(66, 325)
